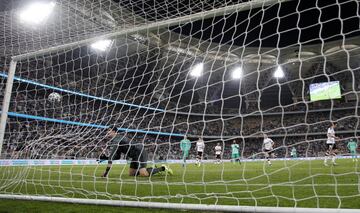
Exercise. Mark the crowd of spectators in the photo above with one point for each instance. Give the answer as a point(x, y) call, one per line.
point(92, 112)
point(43, 140)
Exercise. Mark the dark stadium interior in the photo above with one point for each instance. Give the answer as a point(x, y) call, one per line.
point(274, 83)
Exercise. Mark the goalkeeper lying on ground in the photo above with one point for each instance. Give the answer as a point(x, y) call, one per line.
point(119, 143)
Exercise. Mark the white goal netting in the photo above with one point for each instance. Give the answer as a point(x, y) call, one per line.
point(226, 71)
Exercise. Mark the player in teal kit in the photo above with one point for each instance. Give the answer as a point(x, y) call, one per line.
point(352, 146)
point(235, 156)
point(293, 153)
point(185, 146)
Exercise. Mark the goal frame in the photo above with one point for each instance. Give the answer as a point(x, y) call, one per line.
point(149, 27)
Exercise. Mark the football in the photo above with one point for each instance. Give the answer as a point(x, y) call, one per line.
point(54, 97)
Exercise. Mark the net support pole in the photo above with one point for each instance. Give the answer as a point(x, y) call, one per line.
point(6, 102)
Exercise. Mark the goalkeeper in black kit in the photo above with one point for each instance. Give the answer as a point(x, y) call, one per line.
point(120, 144)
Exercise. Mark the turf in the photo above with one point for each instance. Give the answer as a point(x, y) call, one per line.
point(286, 183)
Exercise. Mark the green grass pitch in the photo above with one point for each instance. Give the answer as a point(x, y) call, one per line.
point(305, 183)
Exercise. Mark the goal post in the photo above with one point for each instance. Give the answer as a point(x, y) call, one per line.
point(6, 102)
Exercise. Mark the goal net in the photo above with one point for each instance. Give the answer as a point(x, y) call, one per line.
point(234, 74)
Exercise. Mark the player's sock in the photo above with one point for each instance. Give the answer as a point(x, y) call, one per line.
point(333, 160)
point(269, 162)
point(167, 169)
point(153, 171)
point(106, 172)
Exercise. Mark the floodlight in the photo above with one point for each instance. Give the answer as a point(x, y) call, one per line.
point(237, 73)
point(197, 70)
point(101, 45)
point(279, 73)
point(36, 12)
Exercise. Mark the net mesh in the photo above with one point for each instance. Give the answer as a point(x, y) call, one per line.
point(145, 83)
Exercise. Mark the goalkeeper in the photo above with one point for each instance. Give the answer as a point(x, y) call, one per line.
point(352, 146)
point(120, 144)
point(185, 146)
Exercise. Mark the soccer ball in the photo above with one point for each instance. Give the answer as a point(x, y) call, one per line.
point(54, 97)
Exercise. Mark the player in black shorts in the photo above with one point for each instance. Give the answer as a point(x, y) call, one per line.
point(331, 151)
point(121, 144)
point(331, 147)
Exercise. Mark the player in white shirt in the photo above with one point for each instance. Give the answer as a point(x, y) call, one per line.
point(218, 150)
point(331, 146)
point(200, 147)
point(268, 148)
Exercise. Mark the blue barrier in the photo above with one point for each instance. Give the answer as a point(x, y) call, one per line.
point(33, 117)
point(80, 94)
point(52, 162)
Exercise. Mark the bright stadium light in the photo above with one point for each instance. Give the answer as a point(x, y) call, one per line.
point(237, 73)
point(197, 70)
point(36, 12)
point(101, 45)
point(279, 73)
